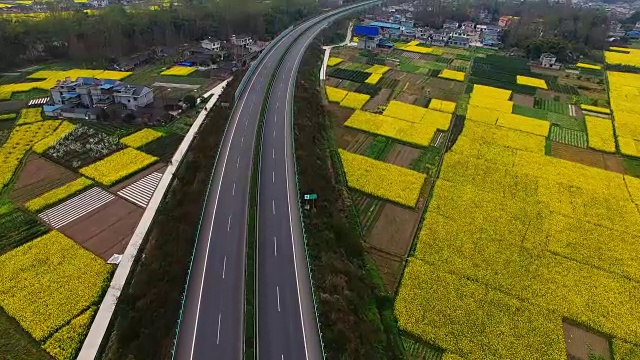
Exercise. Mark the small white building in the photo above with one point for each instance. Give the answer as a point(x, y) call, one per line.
point(241, 40)
point(548, 60)
point(210, 43)
point(99, 3)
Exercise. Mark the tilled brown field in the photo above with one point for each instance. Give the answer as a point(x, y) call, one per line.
point(106, 230)
point(38, 176)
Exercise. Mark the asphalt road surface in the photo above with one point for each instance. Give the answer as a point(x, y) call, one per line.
point(287, 324)
point(212, 326)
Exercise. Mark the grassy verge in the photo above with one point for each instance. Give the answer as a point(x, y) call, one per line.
point(143, 326)
point(17, 344)
point(355, 315)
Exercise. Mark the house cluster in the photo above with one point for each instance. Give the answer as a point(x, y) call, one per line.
point(91, 99)
point(379, 32)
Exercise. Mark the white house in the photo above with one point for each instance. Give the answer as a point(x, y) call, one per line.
point(99, 3)
point(89, 93)
point(241, 40)
point(210, 43)
point(547, 60)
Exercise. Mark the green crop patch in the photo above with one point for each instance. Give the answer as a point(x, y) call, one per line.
point(552, 106)
point(567, 121)
point(568, 136)
point(18, 227)
point(351, 75)
point(530, 112)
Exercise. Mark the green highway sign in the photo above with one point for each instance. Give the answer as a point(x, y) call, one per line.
point(310, 196)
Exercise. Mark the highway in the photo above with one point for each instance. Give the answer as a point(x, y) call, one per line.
point(287, 324)
point(212, 324)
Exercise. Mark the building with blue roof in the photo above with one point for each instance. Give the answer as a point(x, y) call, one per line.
point(89, 93)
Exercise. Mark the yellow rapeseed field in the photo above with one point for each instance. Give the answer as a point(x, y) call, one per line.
point(383, 180)
point(474, 320)
point(52, 139)
point(178, 71)
point(57, 194)
point(18, 144)
point(64, 344)
point(373, 78)
point(524, 123)
point(600, 133)
point(435, 118)
point(482, 114)
point(624, 89)
point(442, 105)
point(452, 75)
point(531, 81)
point(596, 109)
point(483, 91)
point(419, 134)
point(404, 111)
point(412, 47)
point(378, 69)
point(117, 166)
point(49, 281)
point(141, 137)
point(515, 241)
point(30, 115)
point(588, 66)
point(335, 94)
point(632, 57)
point(354, 100)
point(333, 61)
point(489, 102)
point(49, 78)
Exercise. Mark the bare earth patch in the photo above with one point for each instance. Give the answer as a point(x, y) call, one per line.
point(389, 267)
point(587, 157)
point(378, 100)
point(524, 100)
point(106, 230)
point(406, 98)
point(394, 230)
point(402, 155)
point(38, 176)
point(580, 343)
point(158, 167)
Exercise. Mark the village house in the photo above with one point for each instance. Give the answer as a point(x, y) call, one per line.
point(440, 37)
point(85, 97)
point(459, 39)
point(241, 40)
point(548, 60)
point(450, 25)
point(210, 43)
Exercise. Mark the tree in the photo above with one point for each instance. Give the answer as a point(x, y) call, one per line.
point(190, 100)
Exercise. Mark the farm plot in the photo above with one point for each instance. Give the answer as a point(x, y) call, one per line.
point(107, 229)
point(117, 166)
point(38, 175)
point(568, 136)
point(382, 180)
point(163, 147)
point(544, 239)
point(552, 106)
point(82, 146)
point(48, 282)
point(19, 143)
point(411, 133)
point(530, 112)
point(18, 227)
point(351, 75)
point(587, 157)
